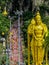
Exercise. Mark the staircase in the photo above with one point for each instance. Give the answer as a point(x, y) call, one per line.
point(14, 54)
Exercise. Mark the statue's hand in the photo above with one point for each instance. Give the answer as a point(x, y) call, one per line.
point(39, 39)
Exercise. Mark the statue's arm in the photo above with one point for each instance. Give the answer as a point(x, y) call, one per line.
point(34, 35)
point(46, 30)
point(28, 40)
point(30, 29)
point(29, 33)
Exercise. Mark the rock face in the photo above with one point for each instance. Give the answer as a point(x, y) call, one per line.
point(36, 3)
point(14, 57)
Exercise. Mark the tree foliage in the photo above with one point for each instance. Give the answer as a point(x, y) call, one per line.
point(4, 24)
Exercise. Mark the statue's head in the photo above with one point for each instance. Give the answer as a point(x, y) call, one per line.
point(38, 18)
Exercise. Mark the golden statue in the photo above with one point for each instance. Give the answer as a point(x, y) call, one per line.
point(38, 31)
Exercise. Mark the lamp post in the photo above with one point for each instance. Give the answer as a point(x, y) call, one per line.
point(10, 30)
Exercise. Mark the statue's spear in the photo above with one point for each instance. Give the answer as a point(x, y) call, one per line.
point(28, 49)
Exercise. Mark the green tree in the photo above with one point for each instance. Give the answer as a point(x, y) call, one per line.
point(4, 24)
